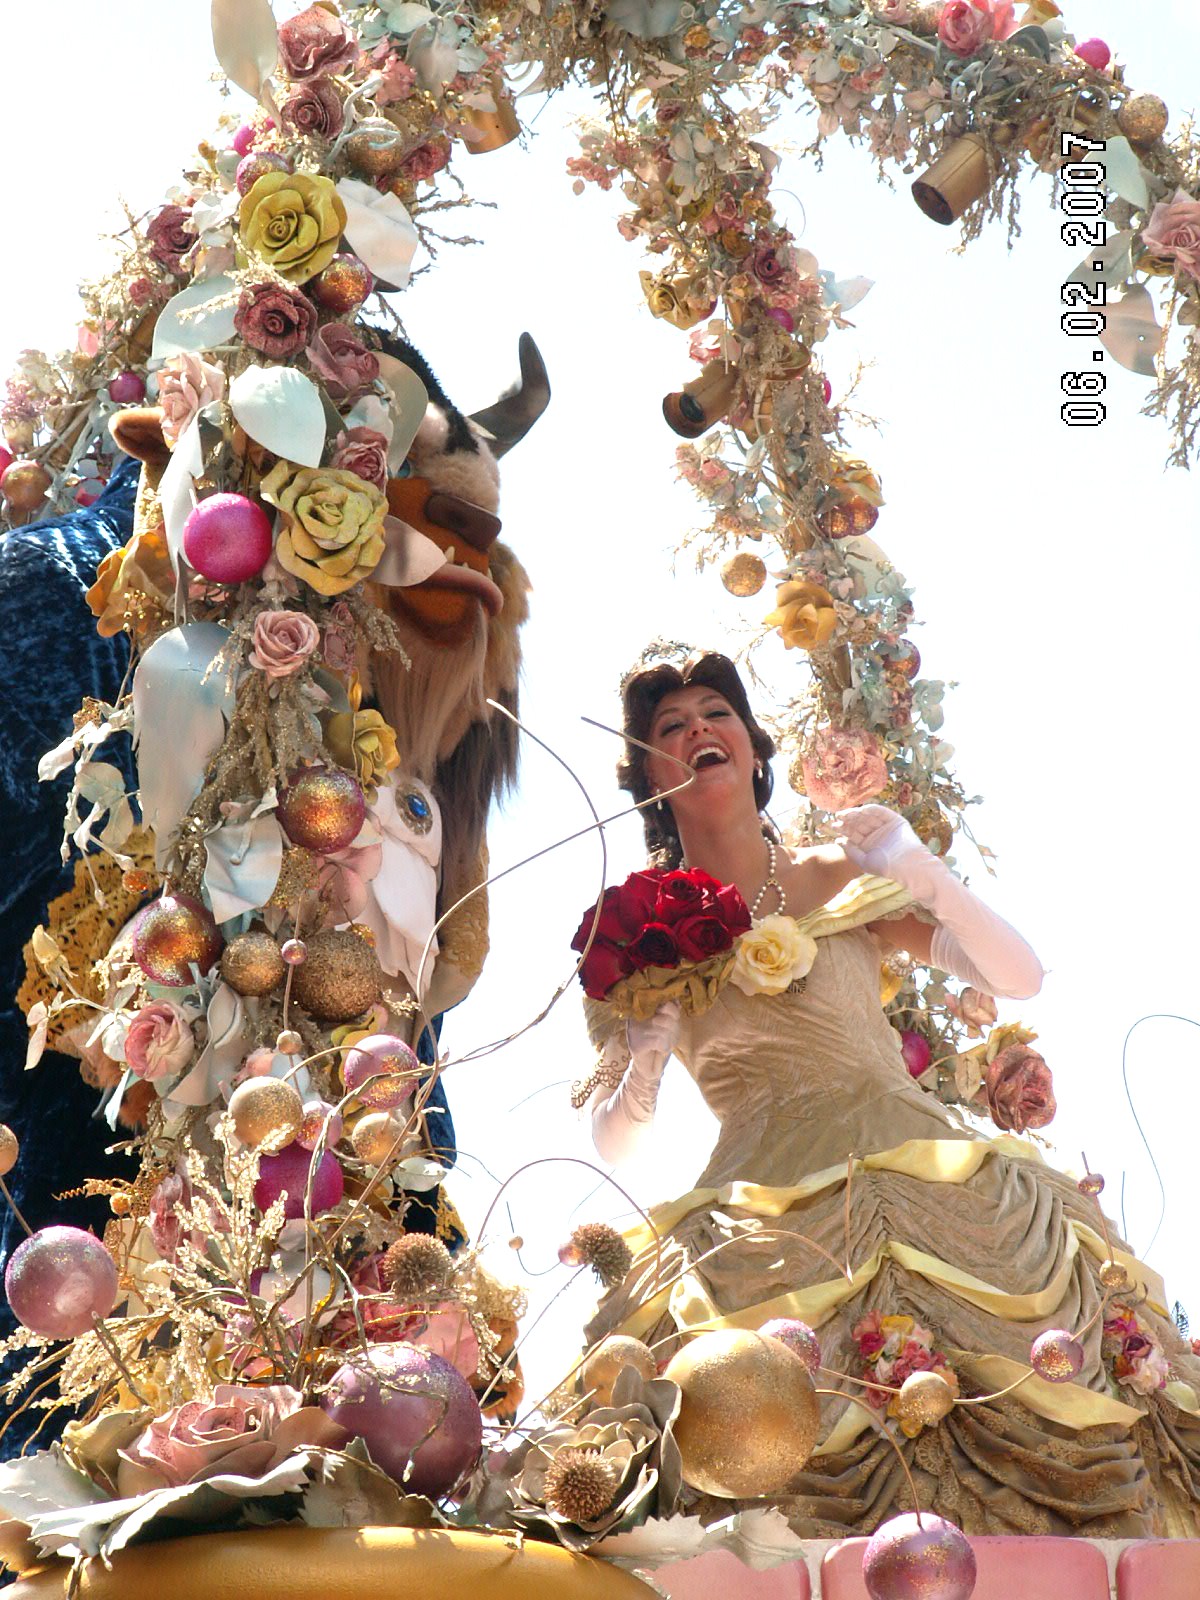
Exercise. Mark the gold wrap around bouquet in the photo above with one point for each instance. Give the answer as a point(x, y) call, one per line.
point(695, 985)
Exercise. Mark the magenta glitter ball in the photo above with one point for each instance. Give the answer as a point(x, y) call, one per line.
point(1057, 1355)
point(799, 1338)
point(286, 1173)
point(409, 1405)
point(916, 1052)
point(381, 1053)
point(1095, 52)
point(127, 389)
point(227, 538)
point(322, 809)
point(171, 935)
point(927, 1560)
point(256, 164)
point(58, 1279)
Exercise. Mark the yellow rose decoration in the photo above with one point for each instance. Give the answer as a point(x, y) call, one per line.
point(364, 741)
point(332, 534)
point(803, 614)
point(293, 222)
point(772, 955)
point(133, 586)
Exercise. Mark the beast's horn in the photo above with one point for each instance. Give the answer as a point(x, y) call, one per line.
point(508, 420)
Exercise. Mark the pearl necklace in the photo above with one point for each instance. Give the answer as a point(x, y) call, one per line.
point(772, 882)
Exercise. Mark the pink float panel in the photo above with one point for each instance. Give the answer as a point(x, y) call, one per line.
point(1167, 1570)
point(1028, 1568)
point(719, 1575)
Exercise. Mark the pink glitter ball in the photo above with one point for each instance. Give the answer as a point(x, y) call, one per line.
point(58, 1280)
point(1095, 52)
point(243, 139)
point(256, 164)
point(127, 389)
point(916, 1052)
point(227, 538)
point(381, 1053)
point(286, 1173)
point(930, 1559)
point(784, 318)
point(415, 1413)
point(799, 1338)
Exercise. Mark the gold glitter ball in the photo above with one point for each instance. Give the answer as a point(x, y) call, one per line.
point(796, 775)
point(375, 151)
point(120, 1204)
point(289, 1043)
point(933, 827)
point(299, 875)
point(378, 1138)
point(608, 1360)
point(322, 809)
point(748, 1417)
point(266, 1111)
point(10, 1149)
point(1113, 1275)
point(137, 881)
point(744, 574)
point(924, 1397)
point(340, 977)
point(251, 963)
point(1143, 118)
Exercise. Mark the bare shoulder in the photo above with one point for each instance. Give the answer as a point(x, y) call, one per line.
point(813, 876)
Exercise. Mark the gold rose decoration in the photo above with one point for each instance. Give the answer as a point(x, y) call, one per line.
point(332, 534)
point(293, 222)
point(803, 614)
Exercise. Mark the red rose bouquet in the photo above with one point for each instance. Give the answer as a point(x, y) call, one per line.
point(661, 936)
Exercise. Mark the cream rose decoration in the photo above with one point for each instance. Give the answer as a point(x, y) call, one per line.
point(772, 955)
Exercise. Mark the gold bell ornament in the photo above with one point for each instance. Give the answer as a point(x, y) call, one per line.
point(958, 178)
point(703, 402)
point(493, 126)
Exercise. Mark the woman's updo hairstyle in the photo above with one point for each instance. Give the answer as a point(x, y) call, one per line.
point(641, 691)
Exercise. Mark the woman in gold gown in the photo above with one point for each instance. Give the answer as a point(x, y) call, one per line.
point(826, 1140)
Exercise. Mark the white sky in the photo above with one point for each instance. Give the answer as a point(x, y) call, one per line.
point(1056, 571)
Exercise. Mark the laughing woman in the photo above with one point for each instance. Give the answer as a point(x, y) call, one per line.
point(973, 1245)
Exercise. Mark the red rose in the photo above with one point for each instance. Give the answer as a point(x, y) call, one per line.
point(611, 928)
point(655, 946)
point(682, 894)
point(732, 909)
point(276, 320)
point(316, 41)
point(1020, 1089)
point(170, 236)
point(639, 897)
point(606, 964)
point(702, 936)
point(315, 110)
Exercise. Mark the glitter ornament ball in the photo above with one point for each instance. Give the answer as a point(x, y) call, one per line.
point(266, 1109)
point(227, 538)
point(798, 1337)
point(389, 1061)
point(926, 1560)
point(1057, 1355)
point(1091, 1184)
point(343, 286)
point(321, 1123)
point(286, 1173)
point(58, 1280)
point(608, 1360)
point(409, 1406)
point(252, 964)
point(293, 951)
point(322, 809)
point(256, 164)
point(934, 828)
point(24, 485)
point(378, 1138)
point(171, 935)
point(10, 1149)
point(914, 1047)
point(744, 574)
point(1113, 1275)
point(1095, 52)
point(925, 1398)
point(748, 1417)
point(340, 978)
point(289, 1043)
point(1143, 118)
point(127, 389)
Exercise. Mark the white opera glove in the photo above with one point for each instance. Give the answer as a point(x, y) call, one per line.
point(619, 1122)
point(970, 942)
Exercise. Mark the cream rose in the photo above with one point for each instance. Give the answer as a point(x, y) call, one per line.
point(283, 642)
point(772, 955)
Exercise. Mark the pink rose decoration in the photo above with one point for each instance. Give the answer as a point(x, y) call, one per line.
point(974, 1009)
point(844, 767)
point(426, 160)
point(276, 320)
point(170, 236)
point(283, 642)
point(186, 384)
point(165, 1227)
point(899, 11)
point(314, 110)
point(1020, 1089)
point(399, 79)
point(240, 1431)
point(767, 266)
point(345, 365)
point(1173, 231)
point(363, 451)
point(963, 27)
point(338, 647)
point(159, 1041)
point(316, 41)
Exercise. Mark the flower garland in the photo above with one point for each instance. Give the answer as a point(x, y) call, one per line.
point(891, 1349)
point(1137, 1360)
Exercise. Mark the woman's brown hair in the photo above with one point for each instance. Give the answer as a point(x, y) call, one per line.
point(641, 691)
